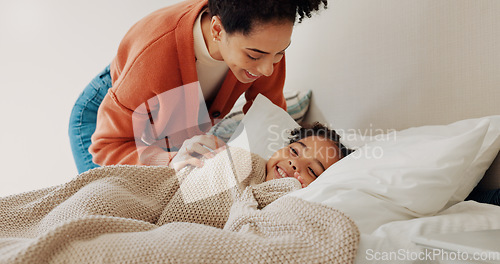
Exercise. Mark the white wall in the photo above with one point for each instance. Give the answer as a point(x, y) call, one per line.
point(393, 64)
point(49, 51)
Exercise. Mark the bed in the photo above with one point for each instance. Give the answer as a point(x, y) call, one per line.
point(368, 204)
point(388, 65)
point(396, 186)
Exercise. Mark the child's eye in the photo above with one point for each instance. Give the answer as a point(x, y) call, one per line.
point(294, 151)
point(313, 173)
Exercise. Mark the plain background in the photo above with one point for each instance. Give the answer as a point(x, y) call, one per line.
point(49, 51)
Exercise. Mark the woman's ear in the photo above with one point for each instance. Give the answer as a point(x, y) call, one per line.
point(216, 28)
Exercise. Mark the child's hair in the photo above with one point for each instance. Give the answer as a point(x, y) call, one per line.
point(241, 15)
point(320, 130)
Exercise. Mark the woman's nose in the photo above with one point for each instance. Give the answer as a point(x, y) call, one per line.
point(266, 68)
point(292, 165)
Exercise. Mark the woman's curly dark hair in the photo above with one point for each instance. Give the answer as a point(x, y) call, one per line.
point(320, 130)
point(241, 15)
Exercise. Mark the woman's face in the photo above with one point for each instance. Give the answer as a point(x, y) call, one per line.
point(304, 160)
point(251, 56)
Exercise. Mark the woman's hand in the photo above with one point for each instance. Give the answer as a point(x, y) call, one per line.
point(194, 148)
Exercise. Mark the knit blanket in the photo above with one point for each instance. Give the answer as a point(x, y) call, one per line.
point(220, 213)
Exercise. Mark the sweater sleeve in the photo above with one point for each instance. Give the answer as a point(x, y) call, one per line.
point(154, 59)
point(271, 87)
point(138, 81)
point(114, 141)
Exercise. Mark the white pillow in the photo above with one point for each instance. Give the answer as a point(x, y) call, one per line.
point(297, 104)
point(487, 153)
point(473, 174)
point(413, 173)
point(264, 129)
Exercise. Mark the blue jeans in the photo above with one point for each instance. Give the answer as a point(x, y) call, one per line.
point(82, 122)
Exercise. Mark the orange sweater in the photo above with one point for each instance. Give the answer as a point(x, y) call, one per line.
point(155, 56)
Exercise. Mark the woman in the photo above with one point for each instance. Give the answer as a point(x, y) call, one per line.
point(177, 71)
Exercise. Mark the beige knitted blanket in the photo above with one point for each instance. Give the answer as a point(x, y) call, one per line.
point(220, 213)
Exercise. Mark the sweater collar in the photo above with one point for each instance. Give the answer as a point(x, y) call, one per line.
point(185, 42)
point(231, 88)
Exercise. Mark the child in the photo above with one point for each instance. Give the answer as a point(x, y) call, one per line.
point(142, 203)
point(313, 148)
point(208, 188)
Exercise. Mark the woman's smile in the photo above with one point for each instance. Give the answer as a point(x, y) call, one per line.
point(252, 76)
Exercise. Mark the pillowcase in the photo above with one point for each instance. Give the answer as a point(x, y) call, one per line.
point(264, 129)
point(297, 103)
point(413, 173)
point(472, 176)
point(484, 159)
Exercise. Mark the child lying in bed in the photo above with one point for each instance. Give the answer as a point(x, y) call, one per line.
point(236, 191)
point(218, 181)
point(312, 149)
point(155, 211)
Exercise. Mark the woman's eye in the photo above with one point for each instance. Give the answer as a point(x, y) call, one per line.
point(313, 173)
point(252, 57)
point(294, 151)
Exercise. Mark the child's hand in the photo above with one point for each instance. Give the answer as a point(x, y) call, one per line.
point(196, 147)
point(297, 176)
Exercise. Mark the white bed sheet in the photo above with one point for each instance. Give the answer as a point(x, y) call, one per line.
point(395, 237)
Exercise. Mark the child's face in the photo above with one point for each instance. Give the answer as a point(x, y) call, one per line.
point(304, 160)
